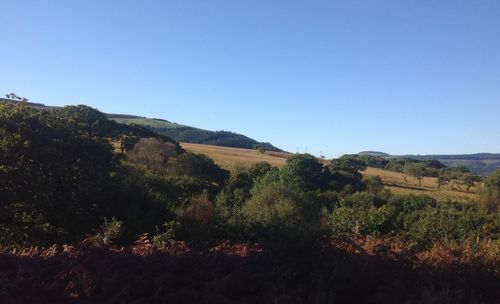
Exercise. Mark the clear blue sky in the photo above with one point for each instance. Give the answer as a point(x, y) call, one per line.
point(335, 76)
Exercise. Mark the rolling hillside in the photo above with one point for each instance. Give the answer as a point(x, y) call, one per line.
point(230, 158)
point(189, 134)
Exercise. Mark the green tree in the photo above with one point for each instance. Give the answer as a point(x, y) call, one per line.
point(199, 166)
point(277, 210)
point(470, 180)
point(418, 171)
point(349, 163)
point(55, 179)
point(305, 171)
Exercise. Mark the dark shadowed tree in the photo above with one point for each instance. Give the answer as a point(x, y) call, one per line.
point(152, 153)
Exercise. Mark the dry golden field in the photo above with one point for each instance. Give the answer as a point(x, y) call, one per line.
point(230, 158)
point(394, 181)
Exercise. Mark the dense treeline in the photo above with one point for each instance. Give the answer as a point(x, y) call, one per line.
point(62, 181)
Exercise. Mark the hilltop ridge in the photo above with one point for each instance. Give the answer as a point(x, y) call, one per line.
point(176, 131)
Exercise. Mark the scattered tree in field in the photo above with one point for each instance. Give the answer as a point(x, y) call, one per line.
point(418, 171)
point(454, 176)
point(405, 178)
point(470, 180)
point(442, 180)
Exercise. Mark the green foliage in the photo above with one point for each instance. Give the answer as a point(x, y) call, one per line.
point(346, 182)
point(277, 209)
point(360, 213)
point(348, 163)
point(430, 225)
point(60, 180)
point(169, 232)
point(109, 233)
point(490, 196)
point(418, 171)
point(199, 166)
point(373, 183)
point(414, 167)
point(345, 221)
point(306, 172)
point(56, 175)
point(360, 161)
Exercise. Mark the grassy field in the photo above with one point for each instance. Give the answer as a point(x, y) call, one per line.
point(230, 158)
point(395, 182)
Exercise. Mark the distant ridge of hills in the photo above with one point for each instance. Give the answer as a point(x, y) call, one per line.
point(483, 163)
point(183, 133)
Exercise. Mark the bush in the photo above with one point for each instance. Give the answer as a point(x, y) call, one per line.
point(373, 184)
point(278, 209)
point(345, 221)
point(430, 225)
point(170, 230)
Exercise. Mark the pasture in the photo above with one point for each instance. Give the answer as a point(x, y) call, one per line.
point(230, 158)
point(395, 182)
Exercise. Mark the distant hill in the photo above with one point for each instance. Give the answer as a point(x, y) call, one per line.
point(484, 163)
point(183, 133)
point(374, 153)
point(178, 132)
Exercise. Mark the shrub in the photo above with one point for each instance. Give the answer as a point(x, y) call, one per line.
point(373, 184)
point(345, 221)
point(278, 209)
point(170, 230)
